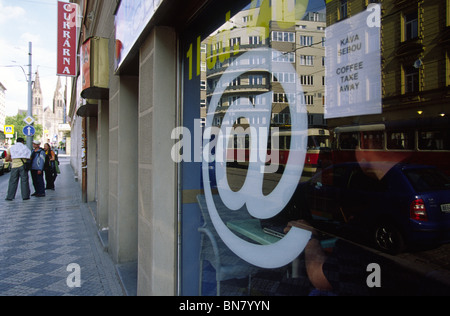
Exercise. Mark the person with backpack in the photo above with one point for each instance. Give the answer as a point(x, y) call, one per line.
point(37, 169)
point(18, 156)
point(49, 167)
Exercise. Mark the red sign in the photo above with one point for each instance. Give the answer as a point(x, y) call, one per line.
point(67, 39)
point(86, 64)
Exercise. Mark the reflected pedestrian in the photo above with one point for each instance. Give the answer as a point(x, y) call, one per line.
point(37, 169)
point(17, 155)
point(49, 167)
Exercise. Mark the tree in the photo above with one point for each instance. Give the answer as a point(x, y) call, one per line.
point(19, 124)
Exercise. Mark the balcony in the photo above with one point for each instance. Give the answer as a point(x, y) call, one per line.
point(243, 88)
point(400, 4)
point(409, 49)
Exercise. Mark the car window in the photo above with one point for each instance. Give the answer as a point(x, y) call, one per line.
point(427, 179)
point(366, 180)
point(332, 176)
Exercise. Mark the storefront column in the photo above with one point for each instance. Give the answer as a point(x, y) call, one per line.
point(92, 159)
point(123, 170)
point(157, 268)
point(103, 164)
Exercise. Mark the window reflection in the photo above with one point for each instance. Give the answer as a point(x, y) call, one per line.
point(379, 181)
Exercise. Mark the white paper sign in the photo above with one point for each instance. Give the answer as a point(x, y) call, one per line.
point(353, 65)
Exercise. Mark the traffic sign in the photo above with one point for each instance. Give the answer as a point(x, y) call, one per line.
point(9, 130)
point(29, 131)
point(29, 120)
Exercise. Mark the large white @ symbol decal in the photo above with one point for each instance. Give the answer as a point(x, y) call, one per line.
point(251, 194)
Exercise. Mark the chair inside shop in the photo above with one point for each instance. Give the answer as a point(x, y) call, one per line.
point(227, 265)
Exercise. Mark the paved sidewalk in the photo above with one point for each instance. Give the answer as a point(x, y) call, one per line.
point(41, 237)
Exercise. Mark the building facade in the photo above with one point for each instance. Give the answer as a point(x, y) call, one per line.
point(150, 143)
point(414, 55)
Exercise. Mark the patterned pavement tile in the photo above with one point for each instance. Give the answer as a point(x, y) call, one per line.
point(40, 238)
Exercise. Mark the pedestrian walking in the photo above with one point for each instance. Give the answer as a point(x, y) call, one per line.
point(37, 169)
point(49, 167)
point(17, 155)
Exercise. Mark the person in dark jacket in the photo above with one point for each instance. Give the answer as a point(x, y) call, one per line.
point(49, 167)
point(37, 169)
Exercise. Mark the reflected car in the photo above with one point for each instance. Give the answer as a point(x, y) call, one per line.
point(397, 205)
point(6, 165)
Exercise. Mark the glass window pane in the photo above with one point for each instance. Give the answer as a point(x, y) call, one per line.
point(268, 161)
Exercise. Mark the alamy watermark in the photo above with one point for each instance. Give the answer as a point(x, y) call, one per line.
point(228, 144)
point(74, 278)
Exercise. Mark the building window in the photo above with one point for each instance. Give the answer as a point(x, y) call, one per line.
point(255, 40)
point(448, 13)
point(307, 99)
point(447, 69)
point(307, 80)
point(283, 37)
point(411, 79)
point(235, 41)
point(306, 60)
point(281, 118)
point(284, 98)
point(306, 40)
point(247, 18)
point(283, 57)
point(283, 77)
point(411, 26)
point(343, 9)
point(255, 80)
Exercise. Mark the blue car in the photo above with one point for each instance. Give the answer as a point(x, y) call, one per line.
point(398, 205)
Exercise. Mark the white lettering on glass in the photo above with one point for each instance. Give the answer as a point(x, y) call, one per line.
point(251, 194)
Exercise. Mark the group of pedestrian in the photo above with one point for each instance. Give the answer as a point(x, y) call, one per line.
point(40, 161)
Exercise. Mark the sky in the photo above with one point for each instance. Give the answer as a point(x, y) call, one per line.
point(23, 21)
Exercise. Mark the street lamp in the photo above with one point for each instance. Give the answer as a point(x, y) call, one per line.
point(30, 88)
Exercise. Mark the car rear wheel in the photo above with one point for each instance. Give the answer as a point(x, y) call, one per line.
point(388, 238)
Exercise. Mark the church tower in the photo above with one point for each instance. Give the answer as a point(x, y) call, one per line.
point(38, 100)
point(58, 101)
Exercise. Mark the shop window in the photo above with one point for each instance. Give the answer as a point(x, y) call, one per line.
point(238, 199)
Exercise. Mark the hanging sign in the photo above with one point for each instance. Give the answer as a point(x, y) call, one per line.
point(67, 39)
